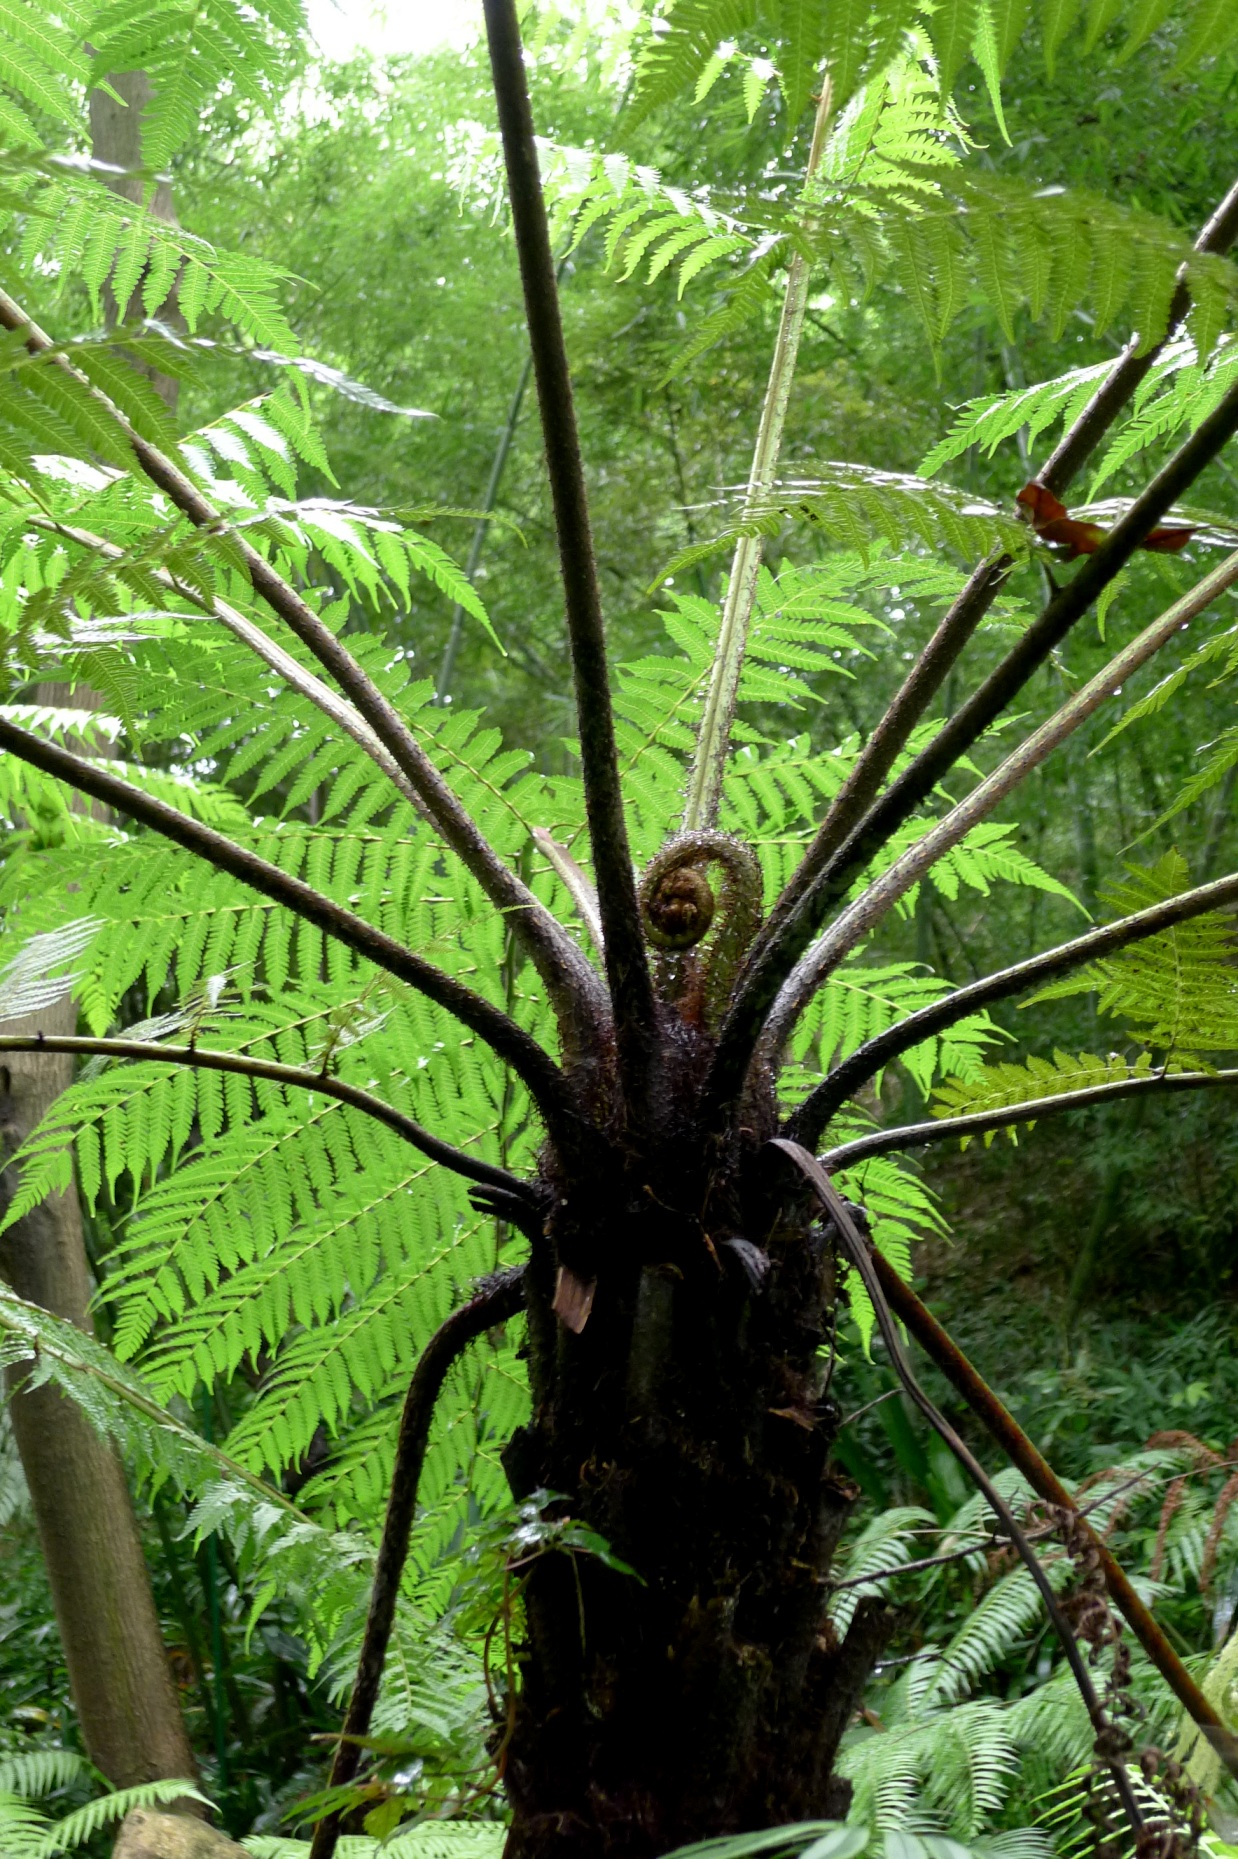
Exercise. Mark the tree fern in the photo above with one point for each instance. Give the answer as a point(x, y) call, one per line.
point(340, 1283)
point(272, 1237)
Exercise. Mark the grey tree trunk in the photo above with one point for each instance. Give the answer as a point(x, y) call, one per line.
point(118, 1668)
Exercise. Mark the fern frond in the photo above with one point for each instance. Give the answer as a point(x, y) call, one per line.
point(1047, 251)
point(1178, 992)
point(82, 230)
point(29, 983)
point(85, 1822)
point(885, 1543)
point(856, 504)
point(38, 1772)
point(190, 49)
point(994, 418)
point(1177, 392)
point(42, 61)
point(1014, 1086)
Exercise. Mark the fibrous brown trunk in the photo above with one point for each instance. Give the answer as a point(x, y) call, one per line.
point(122, 1686)
point(687, 1423)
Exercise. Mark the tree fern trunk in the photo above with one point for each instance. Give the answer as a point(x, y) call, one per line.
point(688, 1425)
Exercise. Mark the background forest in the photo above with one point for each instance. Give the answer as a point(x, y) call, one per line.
point(1086, 1264)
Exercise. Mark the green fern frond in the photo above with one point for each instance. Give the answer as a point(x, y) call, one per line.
point(1014, 1086)
point(42, 62)
point(679, 49)
point(857, 39)
point(1177, 992)
point(994, 418)
point(889, 1539)
point(190, 49)
point(1048, 251)
point(85, 1822)
point(37, 1772)
point(855, 505)
point(82, 230)
point(1177, 392)
point(28, 981)
point(462, 1839)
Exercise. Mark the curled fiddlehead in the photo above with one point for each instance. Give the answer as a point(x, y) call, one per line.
point(679, 907)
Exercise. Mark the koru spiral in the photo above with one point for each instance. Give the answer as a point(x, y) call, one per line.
point(679, 908)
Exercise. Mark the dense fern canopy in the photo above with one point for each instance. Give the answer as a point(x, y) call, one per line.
point(352, 932)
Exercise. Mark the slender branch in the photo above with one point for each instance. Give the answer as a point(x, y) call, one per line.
point(861, 1258)
point(964, 614)
point(846, 1079)
point(494, 1301)
point(854, 924)
point(540, 1074)
point(978, 1122)
point(627, 965)
point(767, 971)
point(985, 1544)
point(292, 1077)
point(1005, 1430)
point(569, 979)
point(714, 739)
point(342, 713)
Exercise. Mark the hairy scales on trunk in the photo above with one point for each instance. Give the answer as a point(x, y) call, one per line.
point(685, 1421)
